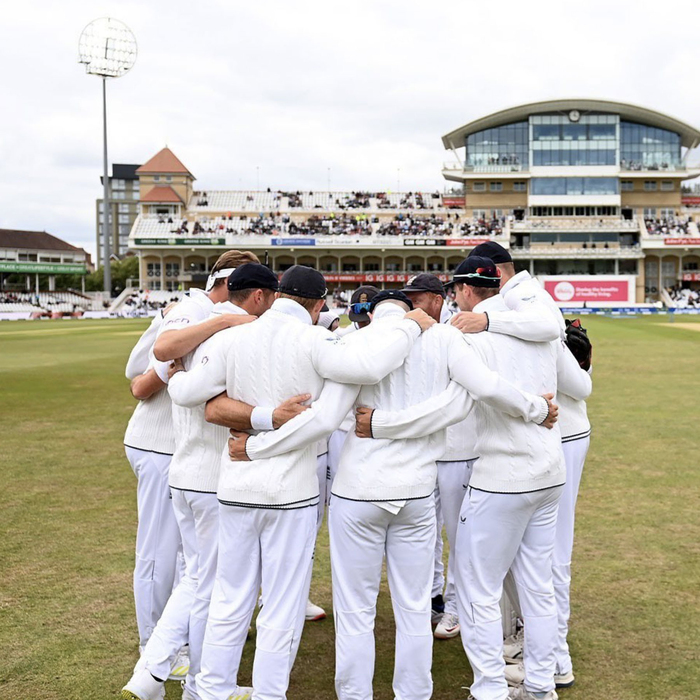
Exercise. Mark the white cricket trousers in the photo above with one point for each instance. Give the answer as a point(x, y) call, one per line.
point(497, 532)
point(574, 456)
point(452, 483)
point(258, 547)
point(335, 447)
point(157, 539)
point(361, 533)
point(185, 615)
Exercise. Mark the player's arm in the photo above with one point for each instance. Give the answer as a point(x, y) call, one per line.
point(446, 408)
point(183, 339)
point(483, 384)
point(145, 385)
point(202, 382)
point(323, 417)
point(571, 379)
point(530, 320)
point(137, 363)
point(238, 415)
point(362, 362)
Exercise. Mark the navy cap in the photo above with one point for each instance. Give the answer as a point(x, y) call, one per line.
point(477, 271)
point(302, 281)
point(252, 276)
point(493, 250)
point(424, 282)
point(387, 294)
point(359, 303)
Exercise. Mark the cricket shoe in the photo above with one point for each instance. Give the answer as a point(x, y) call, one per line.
point(521, 694)
point(513, 648)
point(241, 693)
point(181, 665)
point(143, 686)
point(314, 613)
point(564, 680)
point(448, 627)
point(437, 610)
point(515, 674)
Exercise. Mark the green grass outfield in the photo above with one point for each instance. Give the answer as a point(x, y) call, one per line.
point(67, 628)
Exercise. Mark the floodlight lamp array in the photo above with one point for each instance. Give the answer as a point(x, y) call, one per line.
point(107, 47)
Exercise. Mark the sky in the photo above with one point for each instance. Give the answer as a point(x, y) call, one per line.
point(291, 95)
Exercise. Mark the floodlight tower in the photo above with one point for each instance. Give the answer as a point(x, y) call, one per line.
point(108, 49)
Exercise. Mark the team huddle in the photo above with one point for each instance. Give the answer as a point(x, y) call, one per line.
point(257, 412)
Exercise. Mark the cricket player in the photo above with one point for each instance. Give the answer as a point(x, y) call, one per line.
point(382, 498)
point(268, 510)
point(522, 293)
point(194, 474)
point(149, 443)
point(509, 519)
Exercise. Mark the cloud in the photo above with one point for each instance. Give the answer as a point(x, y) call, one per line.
point(283, 91)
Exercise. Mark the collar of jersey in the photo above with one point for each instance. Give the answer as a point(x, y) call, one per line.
point(291, 308)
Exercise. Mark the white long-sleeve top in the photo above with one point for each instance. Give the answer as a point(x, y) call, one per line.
point(402, 469)
point(197, 458)
point(151, 425)
point(266, 362)
point(515, 457)
point(522, 293)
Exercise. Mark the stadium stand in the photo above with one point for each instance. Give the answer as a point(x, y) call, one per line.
point(668, 227)
point(685, 298)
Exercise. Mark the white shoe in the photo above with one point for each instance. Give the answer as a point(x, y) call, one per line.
point(181, 665)
point(513, 648)
point(448, 627)
point(564, 680)
point(521, 694)
point(314, 612)
point(143, 686)
point(515, 674)
point(241, 693)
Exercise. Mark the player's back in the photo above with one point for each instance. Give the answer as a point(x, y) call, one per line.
point(515, 455)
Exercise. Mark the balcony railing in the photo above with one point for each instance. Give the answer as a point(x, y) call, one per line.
point(568, 251)
point(575, 224)
point(500, 168)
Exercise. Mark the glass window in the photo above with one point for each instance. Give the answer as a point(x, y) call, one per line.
point(519, 187)
point(648, 148)
point(649, 185)
point(503, 147)
point(479, 187)
point(667, 185)
point(574, 132)
point(627, 185)
point(573, 186)
point(496, 186)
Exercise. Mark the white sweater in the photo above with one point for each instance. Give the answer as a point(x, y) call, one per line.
point(401, 469)
point(266, 362)
point(197, 459)
point(515, 457)
point(151, 425)
point(523, 293)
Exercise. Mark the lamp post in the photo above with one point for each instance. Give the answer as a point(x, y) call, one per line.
point(108, 49)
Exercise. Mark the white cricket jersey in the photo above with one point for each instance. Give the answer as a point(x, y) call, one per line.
point(151, 425)
point(197, 458)
point(263, 363)
point(402, 467)
point(517, 457)
point(517, 293)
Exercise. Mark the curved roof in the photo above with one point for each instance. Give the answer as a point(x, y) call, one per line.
point(690, 137)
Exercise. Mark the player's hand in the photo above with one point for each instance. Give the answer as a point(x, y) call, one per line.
point(421, 318)
point(175, 366)
point(469, 322)
point(237, 319)
point(288, 409)
point(363, 422)
point(551, 418)
point(236, 446)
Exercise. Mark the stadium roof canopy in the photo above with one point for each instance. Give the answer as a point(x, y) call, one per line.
point(690, 137)
point(165, 161)
point(33, 240)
